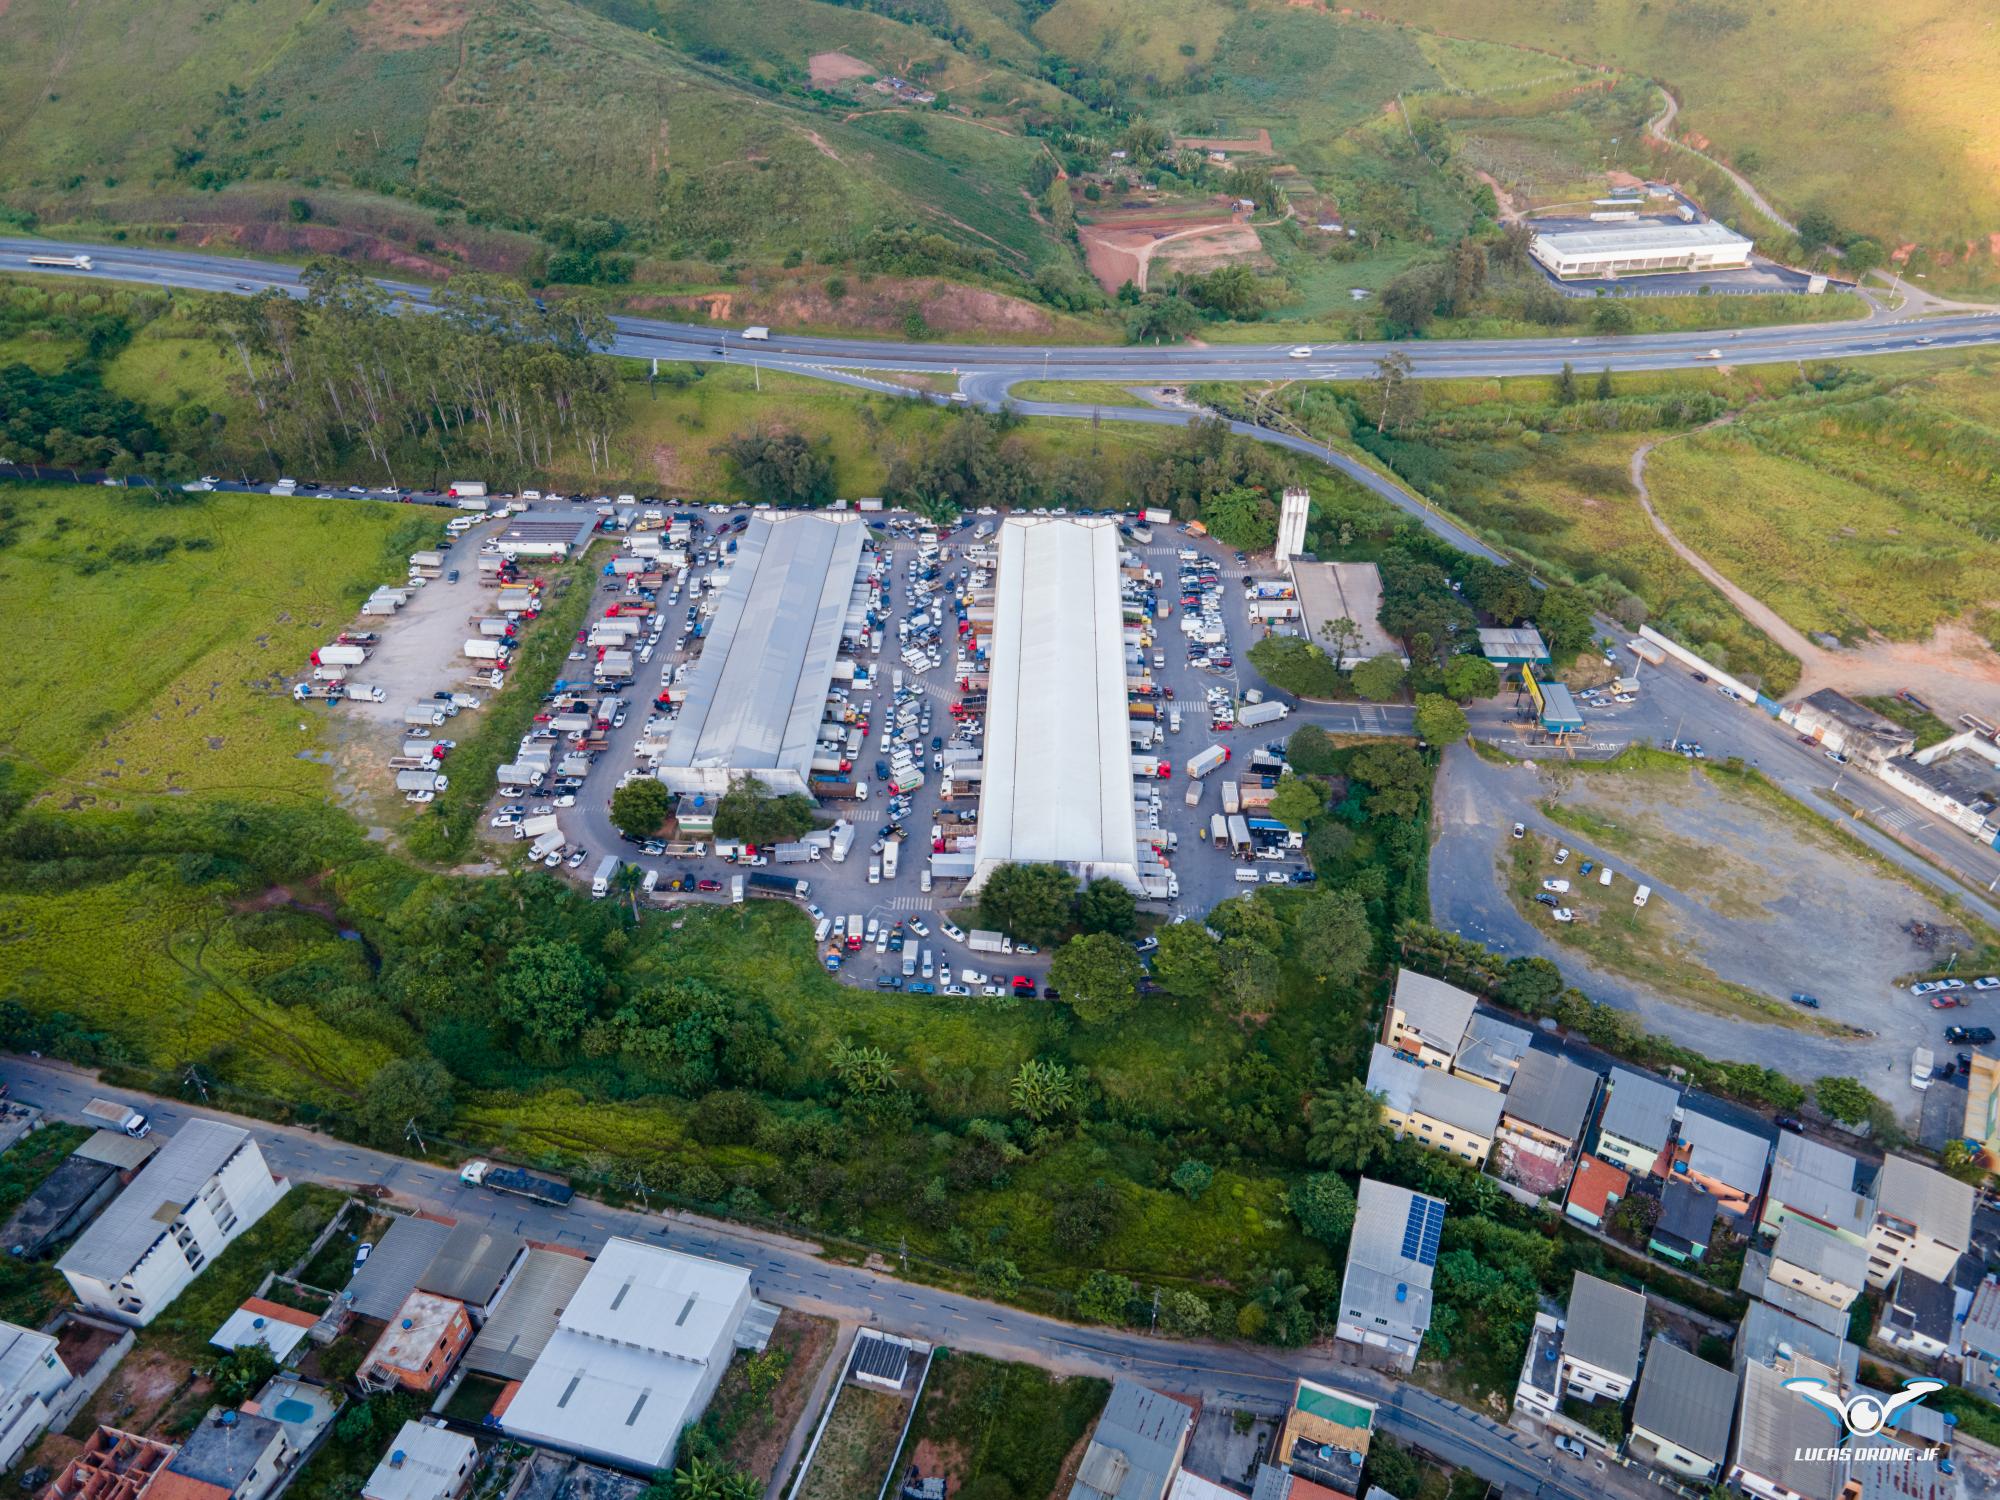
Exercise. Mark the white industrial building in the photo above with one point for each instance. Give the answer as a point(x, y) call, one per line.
point(1057, 785)
point(754, 703)
point(207, 1186)
point(32, 1375)
point(635, 1357)
point(1639, 247)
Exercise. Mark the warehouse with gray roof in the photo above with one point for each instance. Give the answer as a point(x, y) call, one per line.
point(754, 702)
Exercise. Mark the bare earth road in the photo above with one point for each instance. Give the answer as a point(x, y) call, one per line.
point(791, 1273)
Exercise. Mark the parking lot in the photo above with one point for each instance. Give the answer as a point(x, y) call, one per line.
point(839, 890)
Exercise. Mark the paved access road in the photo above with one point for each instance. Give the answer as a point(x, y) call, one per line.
point(823, 357)
point(791, 1273)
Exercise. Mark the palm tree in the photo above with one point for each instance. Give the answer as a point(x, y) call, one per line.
point(628, 881)
point(1346, 1127)
point(706, 1480)
point(1280, 1293)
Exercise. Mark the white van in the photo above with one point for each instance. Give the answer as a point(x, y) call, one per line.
point(651, 881)
point(1604, 875)
point(824, 928)
point(1246, 877)
point(1644, 895)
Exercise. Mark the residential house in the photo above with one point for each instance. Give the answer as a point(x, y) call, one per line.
point(1759, 1283)
point(1815, 1184)
point(1427, 1018)
point(1385, 1297)
point(1492, 1051)
point(636, 1355)
point(474, 1267)
point(1823, 1266)
point(1982, 1109)
point(1918, 1316)
point(1777, 1434)
point(1603, 1334)
point(1839, 723)
point(1790, 1345)
point(420, 1347)
point(1638, 1121)
point(203, 1189)
point(232, 1455)
point(279, 1328)
point(1923, 1219)
point(32, 1374)
point(1684, 1413)
point(1538, 1391)
point(1136, 1448)
point(1549, 1104)
point(1441, 1110)
point(112, 1465)
point(424, 1463)
point(1326, 1436)
point(1979, 1338)
point(1725, 1160)
point(1596, 1189)
point(1686, 1223)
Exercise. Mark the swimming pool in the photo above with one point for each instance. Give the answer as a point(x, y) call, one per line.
point(293, 1410)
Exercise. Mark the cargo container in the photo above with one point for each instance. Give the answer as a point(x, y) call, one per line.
point(423, 749)
point(545, 844)
point(1207, 760)
point(1231, 802)
point(466, 489)
point(889, 858)
point(837, 788)
point(363, 692)
point(1218, 828)
point(1193, 798)
point(329, 674)
point(1645, 650)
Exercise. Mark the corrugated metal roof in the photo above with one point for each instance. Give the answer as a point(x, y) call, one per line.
point(1774, 1426)
point(114, 1148)
point(1605, 1325)
point(754, 699)
point(1134, 1450)
point(1643, 237)
point(526, 1318)
point(472, 1263)
point(1639, 1110)
point(1686, 1400)
point(1938, 1205)
point(1409, 1086)
point(1436, 1011)
point(406, 1251)
point(1552, 1093)
point(143, 1213)
point(1058, 782)
point(1725, 1152)
point(1822, 1254)
point(1492, 1049)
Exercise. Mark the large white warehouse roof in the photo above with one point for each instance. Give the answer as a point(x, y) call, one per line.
point(756, 698)
point(1058, 781)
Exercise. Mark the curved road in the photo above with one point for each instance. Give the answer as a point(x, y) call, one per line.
point(831, 358)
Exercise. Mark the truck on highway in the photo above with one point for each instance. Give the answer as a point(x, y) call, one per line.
point(1268, 712)
point(757, 333)
point(517, 1182)
point(60, 262)
point(119, 1117)
point(763, 882)
point(981, 941)
point(607, 871)
point(1207, 760)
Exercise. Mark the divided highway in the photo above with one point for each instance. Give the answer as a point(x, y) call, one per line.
point(822, 357)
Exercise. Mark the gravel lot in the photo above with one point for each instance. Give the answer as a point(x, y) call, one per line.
point(1770, 910)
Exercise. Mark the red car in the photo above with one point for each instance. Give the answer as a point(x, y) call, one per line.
point(1023, 982)
point(708, 885)
point(581, 637)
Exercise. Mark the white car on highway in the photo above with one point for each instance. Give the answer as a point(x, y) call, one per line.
point(1301, 351)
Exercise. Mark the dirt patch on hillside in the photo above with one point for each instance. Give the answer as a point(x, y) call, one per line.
point(395, 25)
point(1256, 145)
point(1232, 246)
point(881, 305)
point(1123, 250)
point(830, 68)
point(322, 239)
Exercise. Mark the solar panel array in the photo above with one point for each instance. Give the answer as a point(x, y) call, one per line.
point(1420, 1234)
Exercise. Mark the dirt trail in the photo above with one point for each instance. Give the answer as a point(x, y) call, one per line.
point(1660, 128)
point(1955, 670)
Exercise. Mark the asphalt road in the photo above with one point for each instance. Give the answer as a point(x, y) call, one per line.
point(823, 357)
point(790, 1273)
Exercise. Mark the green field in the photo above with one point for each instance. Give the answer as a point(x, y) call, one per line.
point(1011, 1425)
point(155, 645)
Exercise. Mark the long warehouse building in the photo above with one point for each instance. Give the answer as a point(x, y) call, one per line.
point(1057, 787)
point(754, 703)
point(1646, 245)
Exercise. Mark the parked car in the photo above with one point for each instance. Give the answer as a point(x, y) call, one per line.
point(1560, 887)
point(1810, 1002)
point(1546, 900)
point(1571, 1446)
point(1520, 830)
point(1976, 1036)
point(1562, 855)
point(709, 884)
point(361, 1253)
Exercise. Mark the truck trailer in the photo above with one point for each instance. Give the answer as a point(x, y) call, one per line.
point(764, 883)
point(1207, 760)
point(1267, 712)
point(518, 1183)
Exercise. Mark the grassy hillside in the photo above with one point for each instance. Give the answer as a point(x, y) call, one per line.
point(1887, 115)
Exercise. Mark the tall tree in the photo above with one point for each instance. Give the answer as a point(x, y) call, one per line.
point(1346, 1127)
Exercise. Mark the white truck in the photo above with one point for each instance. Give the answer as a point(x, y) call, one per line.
point(1207, 760)
point(363, 692)
point(843, 839)
point(757, 333)
point(607, 871)
point(420, 781)
point(478, 648)
point(118, 1117)
point(1922, 1065)
point(981, 941)
point(1268, 712)
point(337, 655)
point(889, 858)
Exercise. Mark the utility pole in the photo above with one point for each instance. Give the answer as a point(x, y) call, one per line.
point(640, 1183)
point(1154, 1325)
point(410, 1132)
point(194, 1077)
point(903, 1251)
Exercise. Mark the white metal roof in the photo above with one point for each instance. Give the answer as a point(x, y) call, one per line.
point(753, 702)
point(630, 1359)
point(143, 1214)
point(1058, 782)
point(1643, 237)
point(424, 1463)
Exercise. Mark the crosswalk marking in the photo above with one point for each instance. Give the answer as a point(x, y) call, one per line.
point(908, 903)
